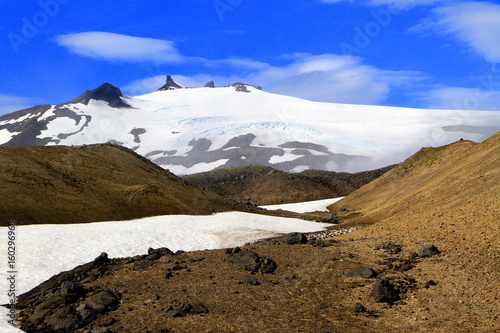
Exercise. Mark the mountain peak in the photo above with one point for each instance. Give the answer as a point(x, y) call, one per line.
point(243, 87)
point(210, 84)
point(170, 84)
point(105, 92)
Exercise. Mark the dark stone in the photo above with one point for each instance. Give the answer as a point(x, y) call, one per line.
point(267, 266)
point(199, 309)
point(101, 302)
point(247, 259)
point(429, 251)
point(358, 307)
point(63, 319)
point(413, 255)
point(87, 314)
point(210, 84)
point(175, 313)
point(251, 281)
point(72, 289)
point(169, 275)
point(233, 250)
point(430, 283)
point(362, 271)
point(384, 291)
point(153, 256)
point(294, 238)
point(404, 267)
point(392, 248)
point(101, 259)
point(186, 307)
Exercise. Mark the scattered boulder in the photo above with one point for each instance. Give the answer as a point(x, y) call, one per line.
point(358, 307)
point(175, 313)
point(101, 259)
point(362, 271)
point(251, 261)
point(102, 301)
point(252, 281)
point(429, 283)
point(72, 289)
point(186, 309)
point(392, 248)
point(429, 251)
point(199, 309)
point(294, 238)
point(384, 291)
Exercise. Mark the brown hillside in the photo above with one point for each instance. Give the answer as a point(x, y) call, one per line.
point(449, 197)
point(266, 186)
point(61, 184)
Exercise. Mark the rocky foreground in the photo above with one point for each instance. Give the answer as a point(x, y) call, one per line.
point(293, 283)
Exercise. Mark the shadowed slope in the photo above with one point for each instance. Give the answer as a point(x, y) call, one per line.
point(266, 186)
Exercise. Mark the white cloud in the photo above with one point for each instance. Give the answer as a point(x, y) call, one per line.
point(476, 23)
point(457, 98)
point(11, 103)
point(326, 78)
point(111, 46)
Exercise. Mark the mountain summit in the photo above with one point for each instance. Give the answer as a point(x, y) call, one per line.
point(105, 92)
point(170, 84)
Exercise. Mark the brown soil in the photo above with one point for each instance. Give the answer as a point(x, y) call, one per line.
point(61, 184)
point(266, 186)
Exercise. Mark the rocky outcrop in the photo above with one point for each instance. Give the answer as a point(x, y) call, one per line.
point(243, 87)
point(170, 84)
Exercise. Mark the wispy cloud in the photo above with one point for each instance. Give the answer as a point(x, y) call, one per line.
point(10, 103)
point(458, 98)
point(111, 46)
point(475, 23)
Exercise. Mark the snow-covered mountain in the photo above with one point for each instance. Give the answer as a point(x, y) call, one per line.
point(200, 129)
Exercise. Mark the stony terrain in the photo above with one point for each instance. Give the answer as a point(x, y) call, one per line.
point(423, 256)
point(263, 185)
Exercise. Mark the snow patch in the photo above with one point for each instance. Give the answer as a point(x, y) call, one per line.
point(305, 207)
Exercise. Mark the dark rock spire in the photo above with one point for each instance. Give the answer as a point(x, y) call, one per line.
point(170, 84)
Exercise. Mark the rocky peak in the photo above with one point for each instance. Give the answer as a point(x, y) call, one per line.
point(210, 84)
point(243, 87)
point(105, 92)
point(170, 84)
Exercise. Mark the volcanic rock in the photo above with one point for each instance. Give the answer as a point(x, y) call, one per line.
point(384, 291)
point(429, 251)
point(294, 238)
point(170, 84)
point(362, 271)
point(105, 92)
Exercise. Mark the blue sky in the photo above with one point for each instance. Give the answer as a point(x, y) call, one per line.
point(414, 53)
